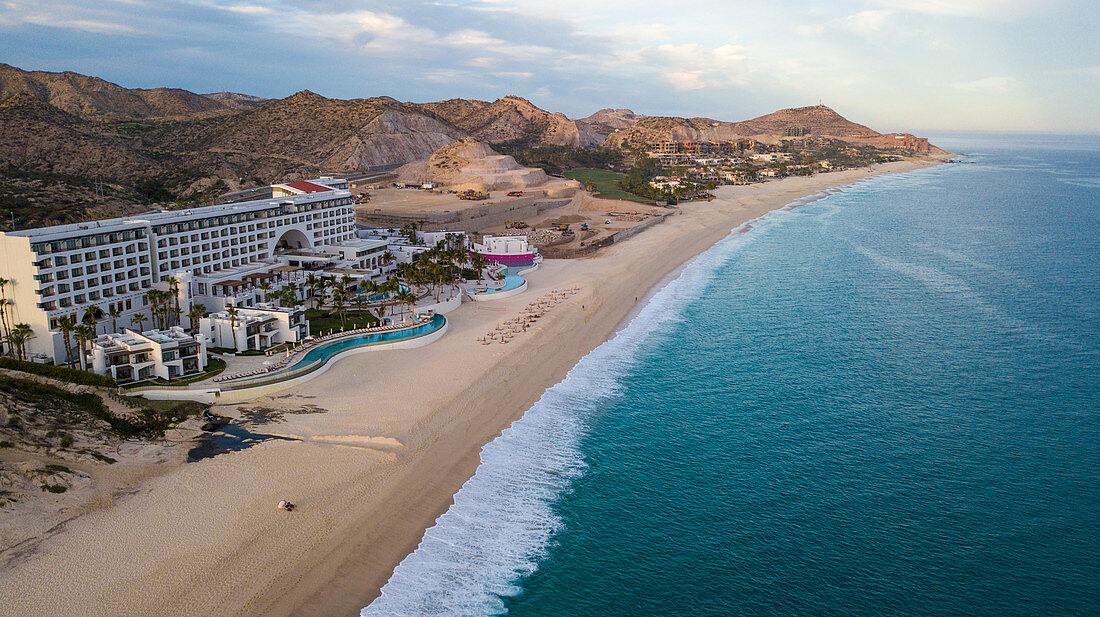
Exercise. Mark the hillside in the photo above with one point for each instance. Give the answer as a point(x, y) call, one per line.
point(606, 121)
point(236, 100)
point(821, 120)
point(659, 128)
point(512, 119)
point(94, 98)
point(309, 133)
point(57, 168)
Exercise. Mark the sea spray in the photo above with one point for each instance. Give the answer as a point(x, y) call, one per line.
point(502, 520)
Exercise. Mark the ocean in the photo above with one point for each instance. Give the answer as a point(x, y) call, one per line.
point(882, 400)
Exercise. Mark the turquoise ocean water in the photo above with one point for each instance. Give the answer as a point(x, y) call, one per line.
point(884, 401)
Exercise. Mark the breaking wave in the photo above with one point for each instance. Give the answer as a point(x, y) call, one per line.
point(503, 518)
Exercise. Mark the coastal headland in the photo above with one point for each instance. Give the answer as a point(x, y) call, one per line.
point(389, 439)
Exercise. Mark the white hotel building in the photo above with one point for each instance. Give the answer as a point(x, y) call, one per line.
point(217, 253)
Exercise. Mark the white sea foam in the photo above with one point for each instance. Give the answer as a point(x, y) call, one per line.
point(503, 518)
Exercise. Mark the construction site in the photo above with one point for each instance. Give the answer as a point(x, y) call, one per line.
point(466, 186)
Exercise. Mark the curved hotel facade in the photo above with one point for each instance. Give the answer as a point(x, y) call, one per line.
point(220, 255)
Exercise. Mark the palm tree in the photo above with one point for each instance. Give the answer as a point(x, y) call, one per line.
point(84, 334)
point(19, 336)
point(291, 294)
point(7, 316)
point(66, 326)
point(196, 313)
point(266, 288)
point(173, 299)
point(4, 302)
point(386, 258)
point(406, 297)
point(114, 314)
point(139, 319)
point(153, 297)
point(233, 312)
point(92, 315)
point(311, 282)
point(339, 295)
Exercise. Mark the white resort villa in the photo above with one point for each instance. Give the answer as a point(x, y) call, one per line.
point(256, 328)
point(136, 356)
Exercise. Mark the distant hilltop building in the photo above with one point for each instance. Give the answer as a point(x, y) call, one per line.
point(796, 131)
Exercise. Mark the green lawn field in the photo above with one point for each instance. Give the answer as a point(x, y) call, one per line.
point(607, 183)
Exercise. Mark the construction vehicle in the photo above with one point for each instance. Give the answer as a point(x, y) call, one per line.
point(564, 227)
point(515, 225)
point(472, 195)
point(584, 226)
point(515, 193)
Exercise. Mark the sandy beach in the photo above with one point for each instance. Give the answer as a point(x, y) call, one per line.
point(399, 434)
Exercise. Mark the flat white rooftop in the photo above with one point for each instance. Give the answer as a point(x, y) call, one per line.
point(162, 216)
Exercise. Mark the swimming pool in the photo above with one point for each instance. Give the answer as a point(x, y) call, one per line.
point(511, 281)
point(325, 351)
point(320, 355)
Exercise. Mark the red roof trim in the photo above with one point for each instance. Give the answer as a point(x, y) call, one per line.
point(308, 187)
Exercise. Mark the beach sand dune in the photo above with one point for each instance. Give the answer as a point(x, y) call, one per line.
point(401, 433)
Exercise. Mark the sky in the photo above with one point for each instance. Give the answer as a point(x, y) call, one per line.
point(894, 65)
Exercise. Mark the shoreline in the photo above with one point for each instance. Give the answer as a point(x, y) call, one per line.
point(401, 433)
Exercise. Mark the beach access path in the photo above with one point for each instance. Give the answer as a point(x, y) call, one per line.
point(400, 435)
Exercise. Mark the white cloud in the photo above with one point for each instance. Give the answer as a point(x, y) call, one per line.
point(471, 38)
point(689, 66)
point(809, 29)
point(99, 19)
point(248, 9)
point(867, 22)
point(369, 30)
point(989, 85)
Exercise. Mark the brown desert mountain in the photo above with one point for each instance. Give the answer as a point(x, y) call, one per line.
point(236, 100)
point(606, 121)
point(74, 146)
point(513, 119)
point(821, 120)
point(95, 98)
point(309, 133)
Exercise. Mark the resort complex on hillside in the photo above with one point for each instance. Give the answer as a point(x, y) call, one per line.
point(145, 298)
point(232, 255)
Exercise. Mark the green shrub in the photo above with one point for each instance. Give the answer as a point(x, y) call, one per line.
point(63, 373)
point(145, 423)
point(54, 488)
